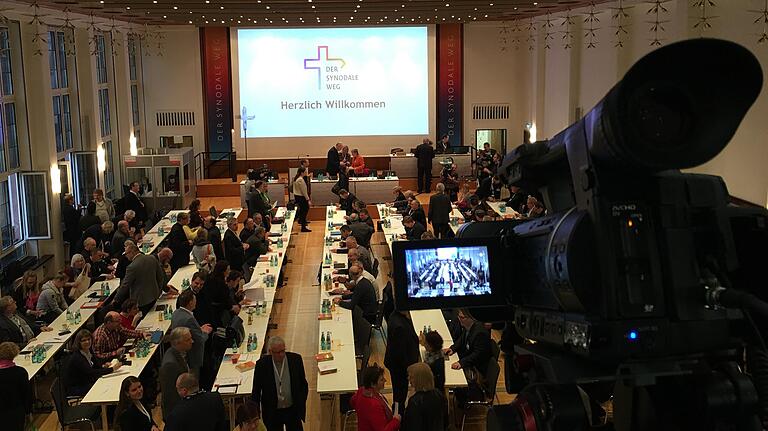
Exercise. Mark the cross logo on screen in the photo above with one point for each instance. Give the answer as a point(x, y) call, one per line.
point(326, 63)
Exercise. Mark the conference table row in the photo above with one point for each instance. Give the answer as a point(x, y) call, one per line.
point(106, 390)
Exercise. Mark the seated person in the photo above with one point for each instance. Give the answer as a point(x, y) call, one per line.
point(171, 184)
point(534, 208)
point(360, 230)
point(363, 294)
point(358, 163)
point(417, 212)
point(249, 227)
point(14, 327)
point(399, 198)
point(51, 301)
point(83, 368)
point(517, 198)
point(346, 199)
point(473, 346)
point(258, 245)
point(365, 217)
point(413, 229)
point(433, 356)
point(100, 269)
point(130, 314)
point(109, 338)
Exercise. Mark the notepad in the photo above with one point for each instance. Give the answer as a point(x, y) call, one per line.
point(326, 367)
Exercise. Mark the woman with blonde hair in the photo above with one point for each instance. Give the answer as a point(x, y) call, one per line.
point(26, 291)
point(425, 402)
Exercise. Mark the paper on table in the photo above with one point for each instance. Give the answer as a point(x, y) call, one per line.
point(226, 389)
point(255, 294)
point(227, 381)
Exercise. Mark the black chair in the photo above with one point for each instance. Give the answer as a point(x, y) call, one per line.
point(375, 267)
point(68, 414)
point(388, 301)
point(377, 326)
point(489, 391)
point(361, 330)
point(212, 211)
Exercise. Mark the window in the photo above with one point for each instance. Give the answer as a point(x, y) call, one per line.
point(10, 213)
point(106, 128)
point(132, 47)
point(101, 60)
point(9, 143)
point(5, 61)
point(109, 171)
point(35, 211)
point(57, 62)
point(135, 104)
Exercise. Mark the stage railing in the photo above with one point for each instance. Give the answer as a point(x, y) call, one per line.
point(216, 162)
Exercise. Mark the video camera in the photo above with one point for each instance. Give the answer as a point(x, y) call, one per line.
point(638, 285)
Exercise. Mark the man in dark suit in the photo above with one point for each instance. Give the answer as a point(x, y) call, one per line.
point(101, 233)
point(178, 243)
point(440, 211)
point(144, 278)
point(197, 410)
point(184, 317)
point(417, 212)
point(214, 236)
point(473, 346)
point(234, 249)
point(361, 230)
point(122, 234)
point(71, 219)
point(280, 388)
point(346, 199)
point(134, 202)
point(333, 164)
point(174, 364)
point(363, 294)
point(402, 351)
point(413, 229)
point(261, 204)
point(249, 227)
point(424, 155)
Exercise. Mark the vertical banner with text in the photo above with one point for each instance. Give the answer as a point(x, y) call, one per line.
point(217, 83)
point(450, 87)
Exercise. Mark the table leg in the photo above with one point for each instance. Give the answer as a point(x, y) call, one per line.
point(232, 412)
point(104, 420)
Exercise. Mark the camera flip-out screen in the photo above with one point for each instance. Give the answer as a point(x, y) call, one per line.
point(445, 273)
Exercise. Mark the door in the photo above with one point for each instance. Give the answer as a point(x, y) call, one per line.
point(496, 137)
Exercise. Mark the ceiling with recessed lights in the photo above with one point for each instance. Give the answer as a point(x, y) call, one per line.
point(311, 12)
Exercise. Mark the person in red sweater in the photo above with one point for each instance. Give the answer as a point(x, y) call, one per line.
point(373, 411)
point(358, 163)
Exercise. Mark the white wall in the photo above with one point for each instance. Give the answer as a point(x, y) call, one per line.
point(173, 82)
point(562, 80)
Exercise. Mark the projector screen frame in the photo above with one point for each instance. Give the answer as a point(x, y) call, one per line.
point(317, 146)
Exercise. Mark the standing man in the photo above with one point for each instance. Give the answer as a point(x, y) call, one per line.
point(71, 219)
point(178, 243)
point(197, 410)
point(214, 236)
point(234, 249)
point(440, 211)
point(183, 317)
point(424, 155)
point(402, 351)
point(144, 278)
point(133, 202)
point(280, 388)
point(174, 364)
point(333, 165)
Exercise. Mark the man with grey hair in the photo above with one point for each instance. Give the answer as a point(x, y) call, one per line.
point(363, 255)
point(258, 245)
point(100, 233)
point(234, 249)
point(197, 409)
point(440, 211)
point(13, 326)
point(118, 239)
point(280, 387)
point(164, 256)
point(144, 278)
point(174, 364)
